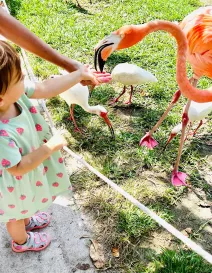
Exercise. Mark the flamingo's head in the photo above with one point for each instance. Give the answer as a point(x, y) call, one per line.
point(124, 37)
point(102, 112)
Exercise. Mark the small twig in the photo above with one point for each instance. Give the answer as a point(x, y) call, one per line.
point(150, 180)
point(85, 236)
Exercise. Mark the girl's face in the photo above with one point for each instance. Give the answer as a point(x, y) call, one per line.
point(14, 91)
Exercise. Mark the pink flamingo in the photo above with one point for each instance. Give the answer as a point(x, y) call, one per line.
point(194, 44)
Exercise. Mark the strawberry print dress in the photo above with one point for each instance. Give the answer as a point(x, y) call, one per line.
point(23, 196)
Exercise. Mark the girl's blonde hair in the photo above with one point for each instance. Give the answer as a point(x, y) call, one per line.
point(10, 66)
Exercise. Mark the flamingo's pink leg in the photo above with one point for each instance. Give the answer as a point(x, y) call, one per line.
point(178, 178)
point(189, 127)
point(148, 140)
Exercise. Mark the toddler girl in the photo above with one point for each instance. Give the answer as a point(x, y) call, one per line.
point(32, 173)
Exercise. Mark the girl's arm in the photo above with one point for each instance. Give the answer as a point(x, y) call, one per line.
point(32, 160)
point(53, 87)
point(14, 31)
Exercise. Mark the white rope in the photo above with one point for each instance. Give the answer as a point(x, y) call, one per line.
point(192, 245)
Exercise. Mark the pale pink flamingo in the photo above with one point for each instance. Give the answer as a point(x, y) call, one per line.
point(197, 112)
point(194, 44)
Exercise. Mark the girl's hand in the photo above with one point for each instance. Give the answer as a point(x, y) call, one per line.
point(56, 142)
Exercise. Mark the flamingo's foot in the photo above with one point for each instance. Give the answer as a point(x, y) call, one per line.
point(148, 141)
point(178, 179)
point(128, 102)
point(112, 101)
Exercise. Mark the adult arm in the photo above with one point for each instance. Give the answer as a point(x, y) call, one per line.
point(14, 31)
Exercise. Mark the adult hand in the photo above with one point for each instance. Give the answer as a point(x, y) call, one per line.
point(92, 77)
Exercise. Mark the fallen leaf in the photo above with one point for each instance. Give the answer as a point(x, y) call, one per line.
point(187, 231)
point(115, 252)
point(97, 254)
point(82, 266)
point(143, 93)
point(84, 236)
point(184, 233)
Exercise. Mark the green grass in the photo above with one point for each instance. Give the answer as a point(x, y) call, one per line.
point(182, 261)
point(143, 173)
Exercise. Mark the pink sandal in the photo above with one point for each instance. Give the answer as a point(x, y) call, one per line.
point(39, 220)
point(35, 242)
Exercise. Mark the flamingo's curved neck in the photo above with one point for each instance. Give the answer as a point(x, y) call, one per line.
point(186, 88)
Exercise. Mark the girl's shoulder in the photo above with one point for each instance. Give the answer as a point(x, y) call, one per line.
point(29, 88)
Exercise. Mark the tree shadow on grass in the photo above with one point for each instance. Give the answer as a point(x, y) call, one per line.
point(101, 97)
point(14, 6)
point(105, 209)
point(202, 179)
point(190, 215)
point(117, 58)
point(72, 5)
point(130, 125)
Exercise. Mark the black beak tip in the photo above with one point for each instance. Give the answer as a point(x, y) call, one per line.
point(98, 57)
point(112, 133)
point(101, 64)
point(95, 60)
point(164, 148)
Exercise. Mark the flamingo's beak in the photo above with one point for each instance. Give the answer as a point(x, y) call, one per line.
point(106, 119)
point(172, 135)
point(124, 37)
point(98, 57)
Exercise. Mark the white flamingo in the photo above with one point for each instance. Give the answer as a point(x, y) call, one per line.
point(79, 94)
point(130, 74)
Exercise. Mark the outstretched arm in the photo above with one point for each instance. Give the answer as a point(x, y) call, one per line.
point(53, 87)
point(14, 31)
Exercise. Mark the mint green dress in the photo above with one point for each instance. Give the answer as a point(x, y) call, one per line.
point(23, 196)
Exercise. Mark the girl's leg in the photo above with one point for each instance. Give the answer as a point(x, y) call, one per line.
point(17, 231)
point(26, 241)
